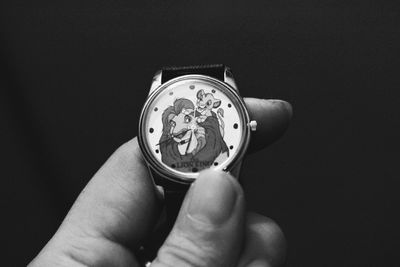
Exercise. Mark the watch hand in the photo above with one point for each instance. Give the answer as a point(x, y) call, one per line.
point(184, 141)
point(190, 139)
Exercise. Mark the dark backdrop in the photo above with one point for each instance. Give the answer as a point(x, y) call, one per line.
point(74, 75)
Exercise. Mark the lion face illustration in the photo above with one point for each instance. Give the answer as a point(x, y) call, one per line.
point(182, 122)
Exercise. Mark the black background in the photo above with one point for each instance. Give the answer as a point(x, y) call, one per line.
point(74, 76)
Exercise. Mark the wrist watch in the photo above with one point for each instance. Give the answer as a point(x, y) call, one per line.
point(193, 119)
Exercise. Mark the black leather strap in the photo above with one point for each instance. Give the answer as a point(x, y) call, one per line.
point(173, 201)
point(213, 70)
point(174, 194)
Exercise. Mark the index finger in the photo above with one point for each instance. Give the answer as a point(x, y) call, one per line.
point(273, 117)
point(120, 203)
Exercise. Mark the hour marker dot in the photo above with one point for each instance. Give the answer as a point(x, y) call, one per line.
point(191, 87)
point(231, 147)
point(229, 105)
point(194, 170)
point(155, 109)
point(157, 151)
point(171, 93)
point(151, 130)
point(235, 126)
point(215, 163)
point(213, 91)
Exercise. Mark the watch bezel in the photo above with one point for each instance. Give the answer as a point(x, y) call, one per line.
point(188, 178)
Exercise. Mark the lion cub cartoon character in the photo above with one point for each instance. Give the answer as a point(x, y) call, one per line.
point(205, 104)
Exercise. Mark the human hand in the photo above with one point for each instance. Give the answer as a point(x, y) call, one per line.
point(119, 207)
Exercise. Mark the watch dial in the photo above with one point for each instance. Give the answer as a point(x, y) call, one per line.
point(191, 125)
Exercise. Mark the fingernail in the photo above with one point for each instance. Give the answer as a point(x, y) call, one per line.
point(288, 108)
point(213, 197)
point(286, 105)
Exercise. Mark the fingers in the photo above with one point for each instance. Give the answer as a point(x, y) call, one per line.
point(272, 116)
point(119, 206)
point(116, 209)
point(265, 244)
point(120, 200)
point(209, 229)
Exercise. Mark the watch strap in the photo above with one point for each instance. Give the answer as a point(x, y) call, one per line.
point(213, 70)
point(174, 194)
point(148, 251)
point(172, 204)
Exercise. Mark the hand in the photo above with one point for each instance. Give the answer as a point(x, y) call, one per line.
point(119, 207)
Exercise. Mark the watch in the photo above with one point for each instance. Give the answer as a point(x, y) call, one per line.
point(193, 119)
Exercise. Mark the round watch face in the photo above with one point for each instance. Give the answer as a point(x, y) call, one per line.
point(192, 123)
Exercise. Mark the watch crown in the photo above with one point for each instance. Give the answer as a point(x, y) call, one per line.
point(253, 126)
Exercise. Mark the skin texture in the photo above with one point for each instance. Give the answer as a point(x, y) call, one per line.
point(120, 205)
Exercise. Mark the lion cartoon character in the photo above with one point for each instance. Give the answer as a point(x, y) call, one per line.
point(205, 104)
point(187, 144)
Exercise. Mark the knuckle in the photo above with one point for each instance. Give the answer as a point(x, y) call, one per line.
point(128, 149)
point(127, 153)
point(182, 251)
point(273, 231)
point(270, 235)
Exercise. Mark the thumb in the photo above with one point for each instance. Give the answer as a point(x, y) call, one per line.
point(210, 226)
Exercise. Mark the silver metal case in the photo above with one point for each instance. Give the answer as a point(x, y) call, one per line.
point(229, 88)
